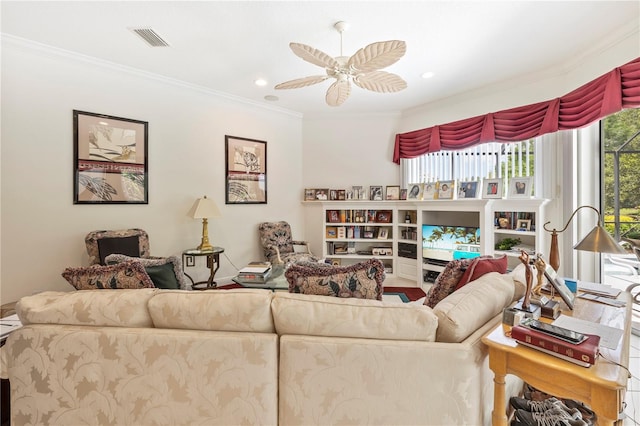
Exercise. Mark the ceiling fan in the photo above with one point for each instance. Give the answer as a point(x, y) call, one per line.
point(362, 68)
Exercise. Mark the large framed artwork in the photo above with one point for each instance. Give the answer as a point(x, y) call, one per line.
point(246, 170)
point(109, 159)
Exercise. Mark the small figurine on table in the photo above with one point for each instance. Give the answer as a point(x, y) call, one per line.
point(524, 258)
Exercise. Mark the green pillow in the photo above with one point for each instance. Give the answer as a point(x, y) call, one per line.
point(163, 276)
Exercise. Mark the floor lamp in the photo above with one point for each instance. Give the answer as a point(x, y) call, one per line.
point(598, 240)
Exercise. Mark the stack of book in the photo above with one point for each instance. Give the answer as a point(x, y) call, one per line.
point(255, 272)
point(583, 354)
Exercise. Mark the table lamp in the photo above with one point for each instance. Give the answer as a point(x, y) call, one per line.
point(598, 240)
point(204, 208)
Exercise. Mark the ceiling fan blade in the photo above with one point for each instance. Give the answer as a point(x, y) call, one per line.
point(302, 82)
point(338, 92)
point(315, 56)
point(380, 81)
point(378, 55)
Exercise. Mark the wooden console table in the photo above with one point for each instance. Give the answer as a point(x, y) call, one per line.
point(601, 386)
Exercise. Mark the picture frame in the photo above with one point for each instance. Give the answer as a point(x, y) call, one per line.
point(342, 194)
point(403, 193)
point(375, 193)
point(468, 189)
point(331, 232)
point(430, 190)
point(245, 170)
point(358, 192)
point(109, 159)
point(414, 192)
point(333, 216)
point(392, 192)
point(333, 194)
point(367, 234)
point(523, 225)
point(446, 189)
point(559, 286)
point(322, 194)
point(520, 187)
point(309, 194)
point(383, 216)
point(492, 188)
point(383, 234)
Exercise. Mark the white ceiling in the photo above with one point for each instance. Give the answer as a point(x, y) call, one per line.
point(225, 45)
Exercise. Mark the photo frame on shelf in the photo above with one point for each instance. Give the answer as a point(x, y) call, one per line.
point(392, 192)
point(359, 193)
point(383, 216)
point(342, 194)
point(309, 194)
point(245, 170)
point(333, 216)
point(523, 225)
point(109, 159)
point(333, 195)
point(403, 193)
point(430, 191)
point(383, 234)
point(375, 193)
point(468, 189)
point(446, 189)
point(322, 194)
point(331, 232)
point(520, 187)
point(414, 192)
point(558, 284)
point(492, 188)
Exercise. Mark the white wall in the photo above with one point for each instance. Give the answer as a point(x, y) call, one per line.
point(43, 231)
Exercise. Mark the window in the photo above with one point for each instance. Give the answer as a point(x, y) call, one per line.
point(493, 159)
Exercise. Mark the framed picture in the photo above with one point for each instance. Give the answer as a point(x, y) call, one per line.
point(322, 194)
point(392, 192)
point(504, 223)
point(342, 194)
point(430, 191)
point(332, 232)
point(414, 191)
point(375, 193)
point(333, 194)
point(492, 188)
point(367, 234)
point(403, 194)
point(309, 194)
point(558, 284)
point(523, 225)
point(446, 189)
point(520, 187)
point(468, 189)
point(358, 192)
point(109, 159)
point(245, 170)
point(383, 216)
point(383, 233)
point(333, 216)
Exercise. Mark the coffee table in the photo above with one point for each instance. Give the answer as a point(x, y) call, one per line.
point(276, 281)
point(601, 386)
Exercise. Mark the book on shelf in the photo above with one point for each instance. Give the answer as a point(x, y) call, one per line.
point(583, 354)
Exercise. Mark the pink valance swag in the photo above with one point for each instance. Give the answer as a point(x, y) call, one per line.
point(610, 93)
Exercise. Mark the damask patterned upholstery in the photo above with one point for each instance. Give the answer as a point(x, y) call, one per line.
point(101, 244)
point(278, 246)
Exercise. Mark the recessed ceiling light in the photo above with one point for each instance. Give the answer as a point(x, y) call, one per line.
point(261, 82)
point(271, 98)
point(428, 74)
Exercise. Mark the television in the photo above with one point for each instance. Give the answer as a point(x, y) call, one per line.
point(446, 243)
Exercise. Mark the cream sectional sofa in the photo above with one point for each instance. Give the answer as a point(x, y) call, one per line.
point(149, 356)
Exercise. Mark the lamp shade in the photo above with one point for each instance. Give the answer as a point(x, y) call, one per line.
point(599, 241)
point(203, 208)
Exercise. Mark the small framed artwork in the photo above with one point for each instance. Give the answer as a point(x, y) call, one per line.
point(332, 232)
point(520, 187)
point(110, 159)
point(403, 194)
point(309, 194)
point(333, 194)
point(383, 216)
point(367, 234)
point(492, 188)
point(523, 225)
point(358, 192)
point(246, 170)
point(375, 193)
point(383, 233)
point(430, 191)
point(392, 192)
point(468, 189)
point(504, 223)
point(322, 194)
point(342, 194)
point(558, 284)
point(446, 189)
point(333, 216)
point(414, 191)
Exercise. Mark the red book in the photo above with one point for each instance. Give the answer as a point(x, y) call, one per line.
point(583, 354)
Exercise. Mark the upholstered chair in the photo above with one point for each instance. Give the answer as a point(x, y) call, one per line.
point(131, 242)
point(278, 246)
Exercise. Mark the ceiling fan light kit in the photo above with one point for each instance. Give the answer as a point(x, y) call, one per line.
point(363, 68)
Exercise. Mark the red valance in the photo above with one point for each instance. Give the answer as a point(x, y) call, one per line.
point(607, 94)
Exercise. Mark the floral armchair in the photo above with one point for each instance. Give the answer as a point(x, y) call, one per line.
point(278, 246)
point(131, 242)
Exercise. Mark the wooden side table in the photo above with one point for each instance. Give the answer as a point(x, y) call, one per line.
point(601, 386)
point(213, 263)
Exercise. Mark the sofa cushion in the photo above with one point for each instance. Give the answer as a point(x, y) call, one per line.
point(469, 308)
point(337, 317)
point(122, 308)
point(480, 266)
point(165, 272)
point(362, 280)
point(446, 282)
point(218, 310)
point(120, 276)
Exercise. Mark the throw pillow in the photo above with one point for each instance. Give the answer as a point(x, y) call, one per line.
point(361, 280)
point(165, 272)
point(480, 266)
point(446, 282)
point(122, 275)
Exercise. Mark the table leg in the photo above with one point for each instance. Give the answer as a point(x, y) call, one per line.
point(213, 262)
point(499, 414)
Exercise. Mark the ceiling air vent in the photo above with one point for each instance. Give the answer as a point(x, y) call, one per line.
point(150, 37)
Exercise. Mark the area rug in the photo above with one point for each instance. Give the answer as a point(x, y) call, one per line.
point(391, 294)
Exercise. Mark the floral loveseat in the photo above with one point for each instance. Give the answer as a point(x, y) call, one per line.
point(243, 356)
